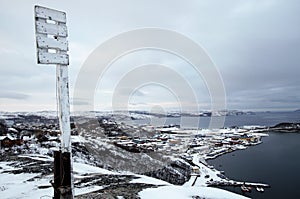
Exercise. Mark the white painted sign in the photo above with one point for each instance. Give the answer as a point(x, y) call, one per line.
point(51, 29)
point(47, 13)
point(51, 34)
point(58, 43)
point(52, 58)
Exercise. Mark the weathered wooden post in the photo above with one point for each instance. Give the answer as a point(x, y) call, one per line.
point(52, 46)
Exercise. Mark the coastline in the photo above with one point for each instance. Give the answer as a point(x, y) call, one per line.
point(275, 162)
point(216, 178)
point(264, 132)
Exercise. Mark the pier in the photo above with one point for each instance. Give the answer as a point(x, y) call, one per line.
point(238, 184)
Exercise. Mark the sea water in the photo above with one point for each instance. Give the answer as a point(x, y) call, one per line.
point(276, 162)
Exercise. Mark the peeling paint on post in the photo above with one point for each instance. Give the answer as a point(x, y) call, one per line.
point(64, 106)
point(52, 46)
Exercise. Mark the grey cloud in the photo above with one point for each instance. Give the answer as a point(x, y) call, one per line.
point(13, 95)
point(255, 44)
point(80, 101)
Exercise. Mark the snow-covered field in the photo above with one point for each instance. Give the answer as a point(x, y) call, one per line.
point(188, 193)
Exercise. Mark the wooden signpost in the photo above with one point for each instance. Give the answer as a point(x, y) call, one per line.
point(52, 46)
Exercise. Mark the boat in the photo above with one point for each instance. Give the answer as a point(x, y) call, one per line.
point(244, 188)
point(249, 188)
point(260, 189)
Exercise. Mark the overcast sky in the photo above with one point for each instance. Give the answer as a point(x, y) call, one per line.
point(255, 45)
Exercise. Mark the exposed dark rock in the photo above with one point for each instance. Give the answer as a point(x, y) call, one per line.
point(177, 173)
point(126, 190)
point(286, 127)
point(3, 128)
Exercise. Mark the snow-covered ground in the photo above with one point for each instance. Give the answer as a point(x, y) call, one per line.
point(181, 192)
point(23, 185)
point(33, 185)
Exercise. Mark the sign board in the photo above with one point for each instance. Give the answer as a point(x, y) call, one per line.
point(52, 58)
point(52, 46)
point(51, 36)
point(44, 42)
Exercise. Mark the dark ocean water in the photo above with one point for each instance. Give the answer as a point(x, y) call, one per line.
point(276, 161)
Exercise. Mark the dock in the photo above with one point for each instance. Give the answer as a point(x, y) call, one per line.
point(238, 184)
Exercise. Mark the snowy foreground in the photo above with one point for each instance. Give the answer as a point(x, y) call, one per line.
point(30, 185)
point(187, 192)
